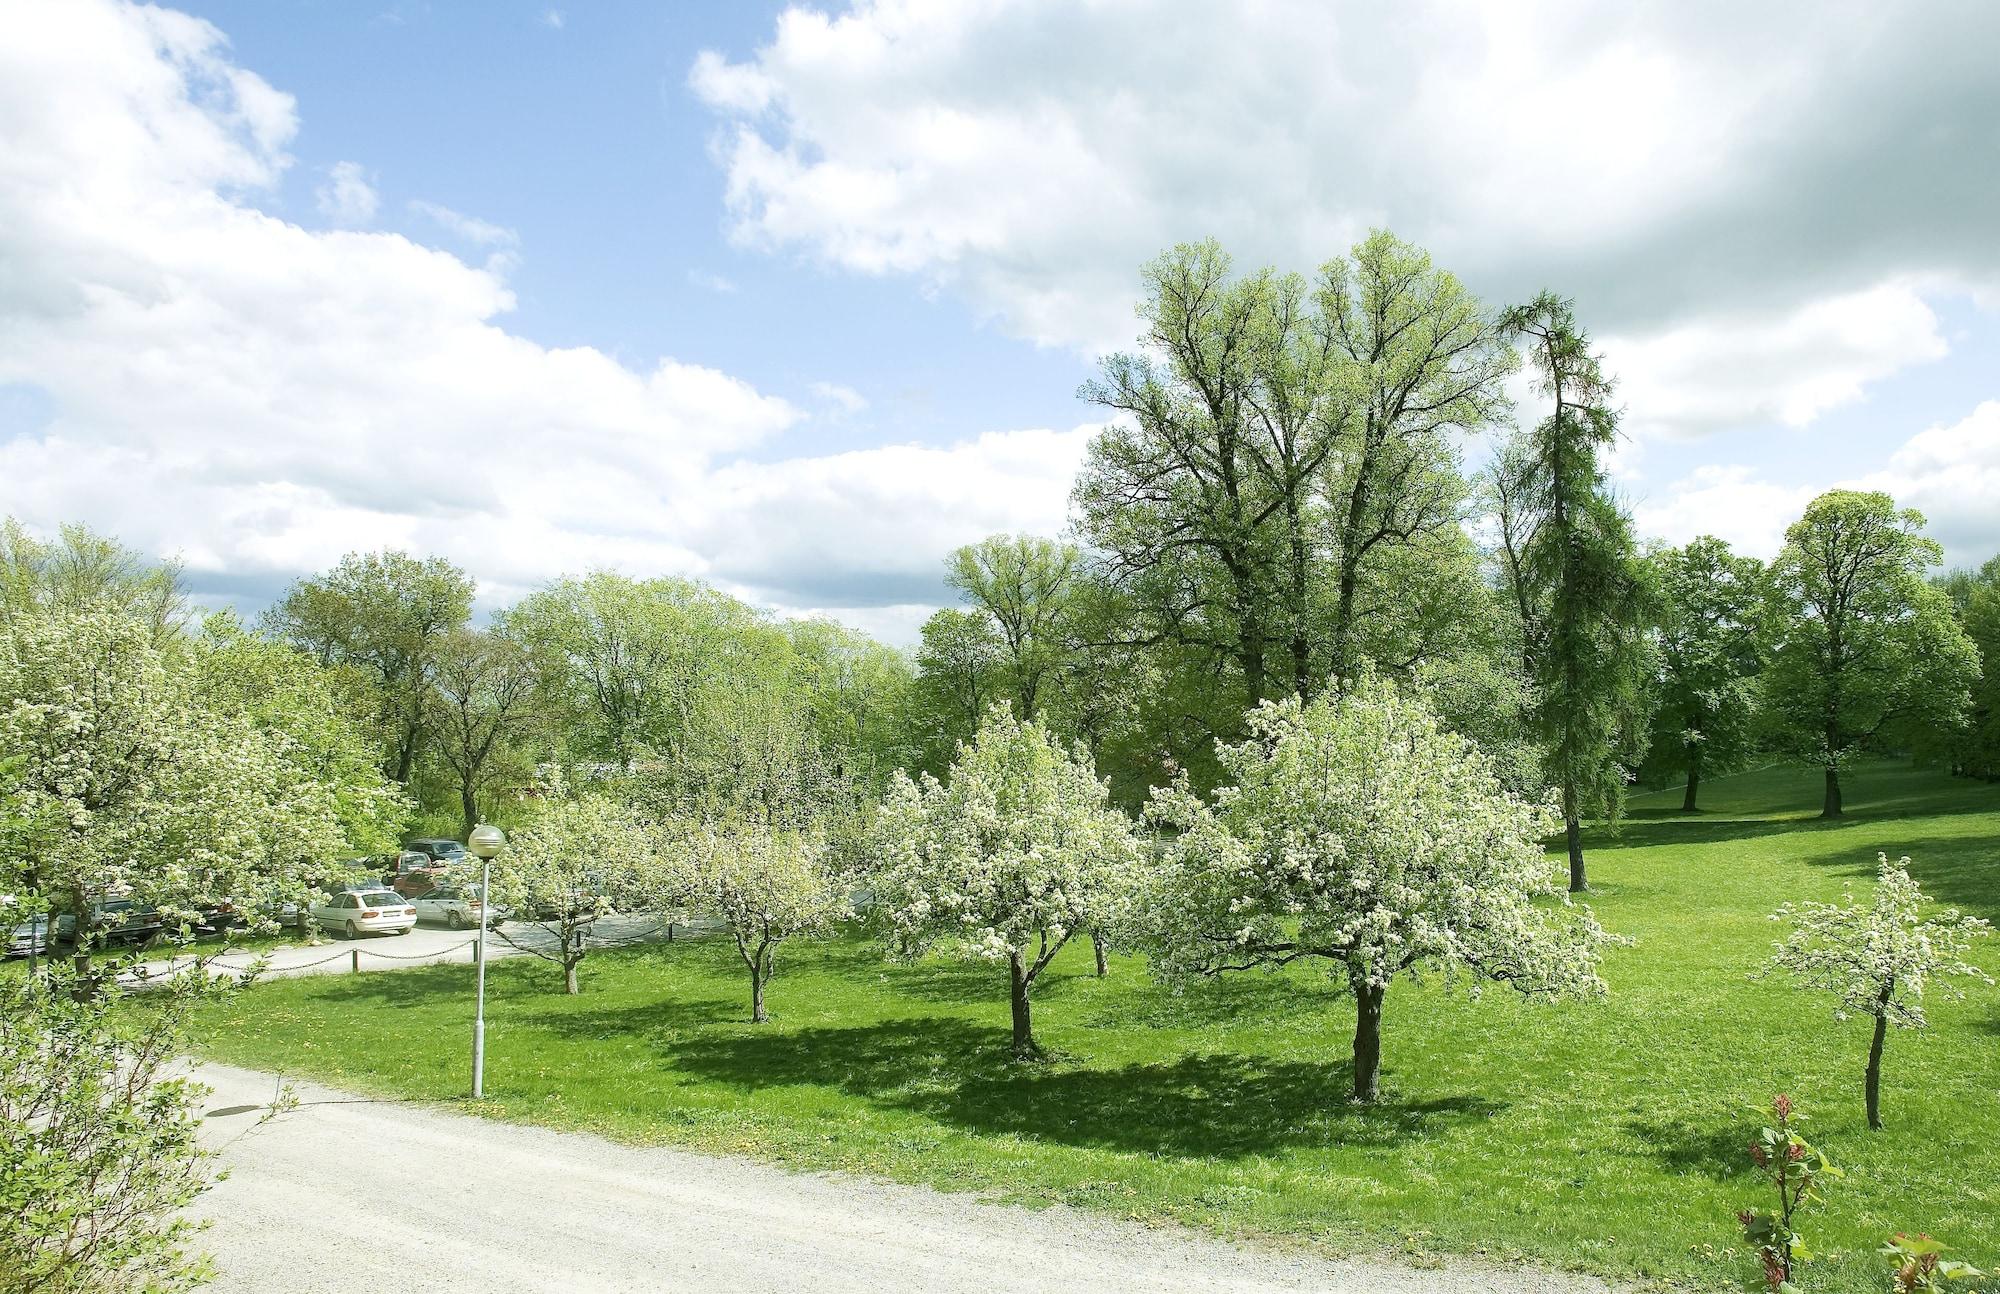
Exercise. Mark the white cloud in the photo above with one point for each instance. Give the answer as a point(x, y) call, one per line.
point(553, 18)
point(711, 282)
point(1717, 372)
point(1745, 202)
point(346, 197)
point(842, 399)
point(481, 233)
point(261, 397)
point(1730, 502)
point(1949, 472)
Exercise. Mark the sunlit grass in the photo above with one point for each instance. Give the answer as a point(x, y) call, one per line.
point(1608, 1136)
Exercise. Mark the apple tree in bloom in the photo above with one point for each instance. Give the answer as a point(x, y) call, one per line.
point(767, 884)
point(1015, 852)
point(187, 772)
point(1878, 958)
point(1357, 832)
point(582, 857)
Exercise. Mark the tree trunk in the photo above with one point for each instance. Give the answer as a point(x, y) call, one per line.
point(1872, 1085)
point(1024, 1025)
point(1368, 1041)
point(1831, 807)
point(1097, 947)
point(760, 971)
point(1573, 835)
point(468, 802)
point(572, 958)
point(1694, 781)
point(569, 978)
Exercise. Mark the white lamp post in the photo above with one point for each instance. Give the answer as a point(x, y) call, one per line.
point(486, 842)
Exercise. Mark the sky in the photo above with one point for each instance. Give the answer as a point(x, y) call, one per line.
point(795, 299)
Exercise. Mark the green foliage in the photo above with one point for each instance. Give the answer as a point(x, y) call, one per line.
point(1863, 649)
point(1024, 585)
point(82, 571)
point(1285, 466)
point(1579, 583)
point(99, 1144)
point(1974, 749)
point(1705, 716)
point(186, 772)
point(382, 617)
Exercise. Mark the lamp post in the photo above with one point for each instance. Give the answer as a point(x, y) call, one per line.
point(486, 842)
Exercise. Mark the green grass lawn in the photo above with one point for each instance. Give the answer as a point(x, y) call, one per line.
point(1608, 1136)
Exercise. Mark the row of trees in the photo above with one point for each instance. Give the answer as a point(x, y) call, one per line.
point(603, 671)
point(1283, 505)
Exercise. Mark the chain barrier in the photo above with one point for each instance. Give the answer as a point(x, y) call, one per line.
point(682, 929)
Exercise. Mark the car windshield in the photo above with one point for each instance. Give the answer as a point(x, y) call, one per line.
point(375, 898)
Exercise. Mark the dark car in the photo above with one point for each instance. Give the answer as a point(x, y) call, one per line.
point(441, 851)
point(112, 921)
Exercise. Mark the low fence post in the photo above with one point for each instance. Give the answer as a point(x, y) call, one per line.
point(355, 956)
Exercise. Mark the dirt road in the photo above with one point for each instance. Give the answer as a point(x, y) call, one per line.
point(345, 1194)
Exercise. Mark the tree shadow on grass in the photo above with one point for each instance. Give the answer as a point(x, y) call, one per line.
point(1719, 1151)
point(1962, 871)
point(1228, 999)
point(1205, 1105)
point(1654, 829)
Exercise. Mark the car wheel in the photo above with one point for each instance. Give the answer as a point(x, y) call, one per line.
point(352, 932)
point(454, 921)
point(406, 929)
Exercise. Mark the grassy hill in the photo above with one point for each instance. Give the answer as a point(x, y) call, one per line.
point(1608, 1136)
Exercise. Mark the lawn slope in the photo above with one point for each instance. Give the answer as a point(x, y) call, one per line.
point(1607, 1136)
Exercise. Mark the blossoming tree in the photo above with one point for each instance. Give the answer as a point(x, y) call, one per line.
point(581, 858)
point(1018, 850)
point(768, 884)
point(1357, 831)
point(1878, 958)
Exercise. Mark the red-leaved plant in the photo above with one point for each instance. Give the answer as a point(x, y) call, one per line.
point(1794, 1169)
point(1921, 1265)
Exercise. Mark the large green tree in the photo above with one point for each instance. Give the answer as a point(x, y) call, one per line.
point(80, 570)
point(1025, 585)
point(385, 616)
point(1578, 572)
point(1286, 457)
point(1974, 749)
point(1707, 600)
point(960, 673)
point(1862, 647)
point(483, 712)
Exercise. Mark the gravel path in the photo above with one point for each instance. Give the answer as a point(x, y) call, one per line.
point(346, 1193)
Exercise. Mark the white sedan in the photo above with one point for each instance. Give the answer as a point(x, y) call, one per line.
point(360, 912)
point(456, 908)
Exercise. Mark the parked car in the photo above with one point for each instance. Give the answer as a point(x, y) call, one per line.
point(111, 921)
point(30, 938)
point(457, 908)
point(442, 851)
point(367, 911)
